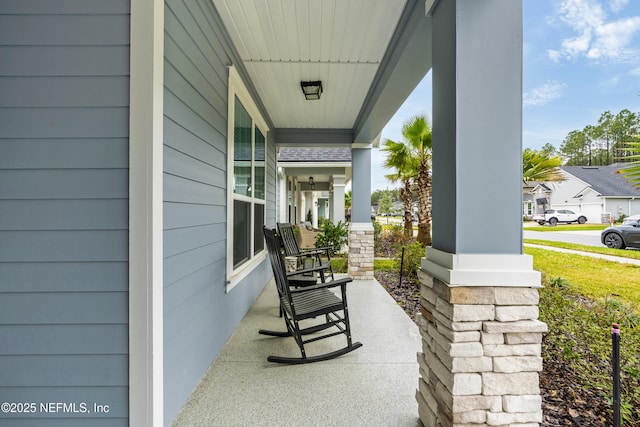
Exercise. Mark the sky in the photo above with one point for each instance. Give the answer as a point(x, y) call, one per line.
point(580, 59)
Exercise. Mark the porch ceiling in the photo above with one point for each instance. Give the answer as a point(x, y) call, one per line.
point(357, 48)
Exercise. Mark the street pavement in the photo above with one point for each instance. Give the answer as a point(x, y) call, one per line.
point(580, 237)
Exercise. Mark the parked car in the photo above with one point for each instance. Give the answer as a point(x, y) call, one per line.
point(554, 216)
point(626, 235)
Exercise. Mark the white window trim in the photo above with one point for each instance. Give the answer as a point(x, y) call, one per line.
point(238, 89)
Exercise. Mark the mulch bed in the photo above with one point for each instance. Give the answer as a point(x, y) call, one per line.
point(564, 401)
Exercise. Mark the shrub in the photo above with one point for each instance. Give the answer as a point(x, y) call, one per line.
point(579, 332)
point(377, 232)
point(339, 264)
point(389, 241)
point(413, 253)
point(331, 235)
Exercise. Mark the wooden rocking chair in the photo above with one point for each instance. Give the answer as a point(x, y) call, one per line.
point(305, 303)
point(307, 258)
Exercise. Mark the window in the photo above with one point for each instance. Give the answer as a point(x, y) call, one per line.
point(246, 204)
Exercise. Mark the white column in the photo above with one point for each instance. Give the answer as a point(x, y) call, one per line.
point(337, 199)
point(314, 209)
point(300, 213)
point(283, 205)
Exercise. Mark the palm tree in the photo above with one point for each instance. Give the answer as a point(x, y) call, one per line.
point(417, 132)
point(412, 160)
point(400, 159)
point(347, 199)
point(541, 166)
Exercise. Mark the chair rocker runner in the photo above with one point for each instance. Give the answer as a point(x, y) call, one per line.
point(305, 303)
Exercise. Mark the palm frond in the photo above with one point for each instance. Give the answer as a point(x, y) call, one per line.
point(539, 166)
point(631, 171)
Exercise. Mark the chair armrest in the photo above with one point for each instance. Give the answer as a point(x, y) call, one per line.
point(313, 251)
point(334, 283)
point(316, 268)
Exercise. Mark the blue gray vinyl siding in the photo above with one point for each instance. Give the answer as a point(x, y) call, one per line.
point(199, 316)
point(64, 95)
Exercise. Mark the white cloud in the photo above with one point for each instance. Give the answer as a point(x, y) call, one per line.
point(596, 36)
point(543, 94)
point(635, 72)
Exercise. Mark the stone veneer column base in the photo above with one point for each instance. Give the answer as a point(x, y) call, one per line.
point(361, 250)
point(481, 344)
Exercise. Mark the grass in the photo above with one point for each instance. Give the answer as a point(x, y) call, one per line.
point(591, 277)
point(623, 253)
point(566, 227)
point(339, 264)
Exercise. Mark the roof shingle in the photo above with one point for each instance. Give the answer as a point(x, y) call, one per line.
point(606, 180)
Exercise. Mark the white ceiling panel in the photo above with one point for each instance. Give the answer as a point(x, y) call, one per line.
point(339, 42)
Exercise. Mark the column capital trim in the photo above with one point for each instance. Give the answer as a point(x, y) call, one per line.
point(360, 226)
point(513, 270)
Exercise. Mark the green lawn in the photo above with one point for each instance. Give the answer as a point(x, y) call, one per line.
point(591, 277)
point(624, 253)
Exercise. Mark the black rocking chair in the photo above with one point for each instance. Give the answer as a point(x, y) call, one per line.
point(305, 303)
point(317, 258)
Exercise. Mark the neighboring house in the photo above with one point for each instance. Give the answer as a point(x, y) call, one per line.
point(596, 191)
point(535, 198)
point(138, 165)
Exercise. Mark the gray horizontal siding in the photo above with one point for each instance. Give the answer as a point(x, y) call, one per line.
point(64, 245)
point(80, 308)
point(118, 406)
point(59, 30)
point(51, 339)
point(98, 153)
point(64, 128)
point(66, 92)
point(64, 276)
point(64, 184)
point(199, 316)
point(76, 7)
point(64, 122)
point(88, 214)
point(66, 370)
point(65, 61)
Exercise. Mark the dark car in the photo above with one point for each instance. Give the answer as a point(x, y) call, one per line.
point(626, 235)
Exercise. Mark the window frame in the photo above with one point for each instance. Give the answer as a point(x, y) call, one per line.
point(237, 89)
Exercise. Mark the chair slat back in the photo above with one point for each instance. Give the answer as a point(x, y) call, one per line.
point(277, 262)
point(289, 241)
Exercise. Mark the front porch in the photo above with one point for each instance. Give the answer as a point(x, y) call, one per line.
point(374, 385)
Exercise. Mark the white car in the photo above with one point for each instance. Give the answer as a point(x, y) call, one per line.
point(554, 216)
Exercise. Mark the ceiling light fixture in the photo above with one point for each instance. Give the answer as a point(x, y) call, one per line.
point(311, 90)
point(311, 183)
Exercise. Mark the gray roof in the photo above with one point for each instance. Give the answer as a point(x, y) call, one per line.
point(315, 155)
point(606, 180)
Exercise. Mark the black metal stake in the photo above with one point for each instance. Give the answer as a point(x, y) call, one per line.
point(615, 361)
point(401, 264)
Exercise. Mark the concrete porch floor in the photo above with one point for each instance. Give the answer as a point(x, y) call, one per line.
point(374, 385)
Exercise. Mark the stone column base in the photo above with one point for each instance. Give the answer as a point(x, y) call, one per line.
point(361, 250)
point(481, 348)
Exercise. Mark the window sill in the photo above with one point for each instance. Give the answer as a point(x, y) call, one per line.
point(243, 271)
